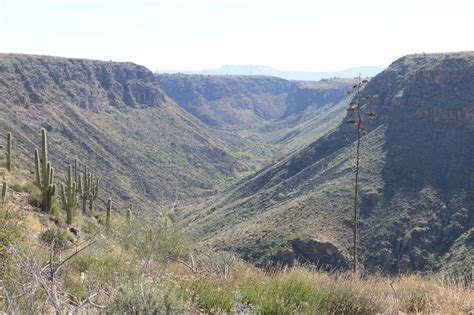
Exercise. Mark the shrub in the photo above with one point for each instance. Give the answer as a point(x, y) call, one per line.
point(213, 294)
point(10, 233)
point(283, 294)
point(34, 199)
point(90, 227)
point(155, 300)
point(414, 295)
point(58, 236)
point(24, 186)
point(83, 262)
point(74, 287)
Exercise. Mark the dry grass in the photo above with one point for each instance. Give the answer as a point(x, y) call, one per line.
point(146, 268)
point(301, 291)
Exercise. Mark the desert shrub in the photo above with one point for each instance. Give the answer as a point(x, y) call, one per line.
point(105, 268)
point(90, 227)
point(348, 298)
point(74, 287)
point(100, 217)
point(152, 239)
point(414, 301)
point(34, 198)
point(56, 236)
point(99, 268)
point(414, 295)
point(56, 209)
point(24, 186)
point(212, 294)
point(280, 294)
point(10, 233)
point(155, 300)
point(83, 262)
point(284, 292)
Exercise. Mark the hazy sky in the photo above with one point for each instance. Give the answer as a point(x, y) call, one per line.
point(307, 35)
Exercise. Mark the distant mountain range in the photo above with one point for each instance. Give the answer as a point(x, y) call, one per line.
point(368, 71)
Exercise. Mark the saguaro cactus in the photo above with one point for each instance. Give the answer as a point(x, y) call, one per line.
point(76, 170)
point(83, 189)
point(93, 190)
point(68, 196)
point(107, 218)
point(9, 152)
point(4, 191)
point(88, 189)
point(45, 175)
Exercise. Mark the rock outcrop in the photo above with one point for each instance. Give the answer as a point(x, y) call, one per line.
point(28, 80)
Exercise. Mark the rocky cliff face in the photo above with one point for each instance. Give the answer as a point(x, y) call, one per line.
point(221, 101)
point(426, 103)
point(417, 178)
point(244, 102)
point(317, 94)
point(89, 84)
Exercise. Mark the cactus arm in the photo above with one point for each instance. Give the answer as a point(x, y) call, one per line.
point(46, 175)
point(51, 175)
point(74, 195)
point(44, 155)
point(79, 186)
point(63, 196)
point(76, 165)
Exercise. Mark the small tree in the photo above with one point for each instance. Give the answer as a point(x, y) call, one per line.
point(355, 108)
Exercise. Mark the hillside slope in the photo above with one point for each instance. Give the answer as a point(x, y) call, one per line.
point(268, 116)
point(124, 266)
point(242, 102)
point(145, 148)
point(417, 201)
point(227, 101)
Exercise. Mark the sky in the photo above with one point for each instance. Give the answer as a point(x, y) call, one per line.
point(297, 35)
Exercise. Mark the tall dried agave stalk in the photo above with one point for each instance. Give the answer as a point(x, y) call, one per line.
point(355, 107)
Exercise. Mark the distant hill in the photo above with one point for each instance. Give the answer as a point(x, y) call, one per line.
point(368, 71)
point(417, 181)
